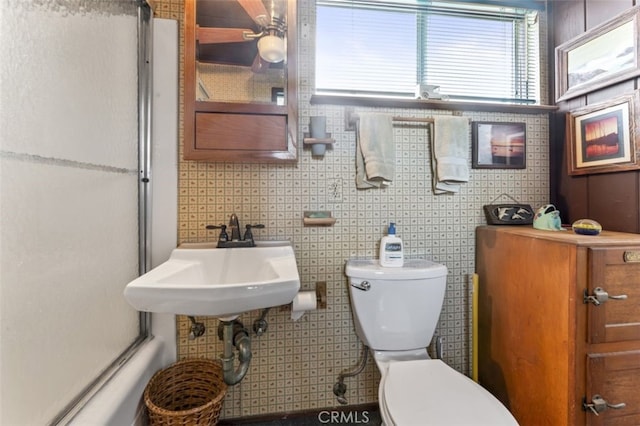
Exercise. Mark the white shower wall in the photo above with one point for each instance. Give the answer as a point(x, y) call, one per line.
point(68, 198)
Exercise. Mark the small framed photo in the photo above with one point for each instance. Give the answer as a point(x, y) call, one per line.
point(602, 137)
point(602, 56)
point(499, 145)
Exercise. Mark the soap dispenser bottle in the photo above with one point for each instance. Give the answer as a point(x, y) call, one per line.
point(391, 249)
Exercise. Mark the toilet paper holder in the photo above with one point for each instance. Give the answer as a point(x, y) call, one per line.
point(321, 297)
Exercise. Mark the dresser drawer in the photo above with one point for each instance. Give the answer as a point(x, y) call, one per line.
point(613, 295)
point(615, 377)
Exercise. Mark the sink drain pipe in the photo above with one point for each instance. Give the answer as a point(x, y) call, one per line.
point(234, 336)
point(339, 389)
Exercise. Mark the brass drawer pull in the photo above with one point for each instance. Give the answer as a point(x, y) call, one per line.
point(631, 256)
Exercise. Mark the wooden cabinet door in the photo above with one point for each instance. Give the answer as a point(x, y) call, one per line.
point(617, 272)
point(248, 114)
point(616, 378)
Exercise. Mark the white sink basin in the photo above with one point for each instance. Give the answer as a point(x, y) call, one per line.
point(199, 279)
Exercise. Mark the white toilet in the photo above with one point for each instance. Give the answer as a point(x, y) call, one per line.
point(396, 311)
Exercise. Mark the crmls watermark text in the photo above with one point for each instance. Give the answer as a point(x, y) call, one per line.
point(343, 417)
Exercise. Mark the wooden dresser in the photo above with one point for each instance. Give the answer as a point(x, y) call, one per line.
point(559, 324)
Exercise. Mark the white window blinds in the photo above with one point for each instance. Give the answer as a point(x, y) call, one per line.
point(385, 48)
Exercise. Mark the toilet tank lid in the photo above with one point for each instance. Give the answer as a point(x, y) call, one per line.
point(430, 389)
point(413, 269)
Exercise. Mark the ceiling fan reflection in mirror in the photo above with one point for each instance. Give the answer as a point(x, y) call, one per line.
point(241, 32)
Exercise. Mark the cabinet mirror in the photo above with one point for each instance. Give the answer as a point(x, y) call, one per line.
point(240, 80)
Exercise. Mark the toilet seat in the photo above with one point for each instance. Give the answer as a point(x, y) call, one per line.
point(429, 392)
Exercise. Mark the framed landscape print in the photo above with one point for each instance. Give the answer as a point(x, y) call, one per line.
point(498, 145)
point(604, 55)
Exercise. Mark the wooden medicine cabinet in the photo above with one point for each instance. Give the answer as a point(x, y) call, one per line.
point(239, 107)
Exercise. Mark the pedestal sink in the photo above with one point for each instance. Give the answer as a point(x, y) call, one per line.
point(200, 279)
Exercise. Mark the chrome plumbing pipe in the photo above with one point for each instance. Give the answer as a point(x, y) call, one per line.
point(339, 389)
point(235, 336)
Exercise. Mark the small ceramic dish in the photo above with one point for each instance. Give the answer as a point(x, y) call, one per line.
point(586, 227)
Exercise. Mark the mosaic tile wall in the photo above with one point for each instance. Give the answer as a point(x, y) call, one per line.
point(295, 364)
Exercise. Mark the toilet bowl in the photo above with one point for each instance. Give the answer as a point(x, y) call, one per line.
point(395, 312)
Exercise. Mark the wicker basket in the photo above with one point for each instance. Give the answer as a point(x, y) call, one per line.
point(189, 392)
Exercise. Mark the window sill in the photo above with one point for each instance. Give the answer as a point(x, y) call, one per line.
point(430, 104)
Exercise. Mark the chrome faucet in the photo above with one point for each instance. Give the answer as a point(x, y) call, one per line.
point(234, 225)
point(235, 240)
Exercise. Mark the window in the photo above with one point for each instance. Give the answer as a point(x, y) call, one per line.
point(473, 52)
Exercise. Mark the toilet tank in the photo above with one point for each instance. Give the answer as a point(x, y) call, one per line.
point(396, 309)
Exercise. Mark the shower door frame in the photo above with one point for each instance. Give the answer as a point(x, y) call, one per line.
point(145, 91)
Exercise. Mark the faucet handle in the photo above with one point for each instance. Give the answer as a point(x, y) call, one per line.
point(248, 235)
point(223, 231)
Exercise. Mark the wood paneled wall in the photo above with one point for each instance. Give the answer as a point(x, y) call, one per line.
point(613, 199)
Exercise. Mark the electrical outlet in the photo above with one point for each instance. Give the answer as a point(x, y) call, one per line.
point(335, 190)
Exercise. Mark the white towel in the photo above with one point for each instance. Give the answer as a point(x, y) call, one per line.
point(375, 151)
point(450, 154)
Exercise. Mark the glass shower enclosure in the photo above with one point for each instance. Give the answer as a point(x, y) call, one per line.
point(69, 198)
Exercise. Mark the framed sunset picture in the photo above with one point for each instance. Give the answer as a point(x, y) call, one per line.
point(603, 138)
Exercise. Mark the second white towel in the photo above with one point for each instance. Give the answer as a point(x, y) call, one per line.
point(450, 152)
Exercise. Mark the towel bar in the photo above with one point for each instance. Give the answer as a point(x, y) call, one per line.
point(351, 117)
